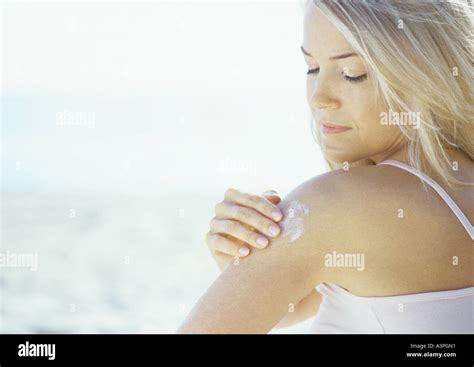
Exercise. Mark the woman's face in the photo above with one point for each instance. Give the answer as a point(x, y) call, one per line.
point(339, 92)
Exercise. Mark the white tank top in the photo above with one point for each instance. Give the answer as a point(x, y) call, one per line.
point(442, 312)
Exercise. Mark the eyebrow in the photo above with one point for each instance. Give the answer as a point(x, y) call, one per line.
point(342, 56)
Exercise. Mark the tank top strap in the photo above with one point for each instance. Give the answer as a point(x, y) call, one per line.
point(444, 195)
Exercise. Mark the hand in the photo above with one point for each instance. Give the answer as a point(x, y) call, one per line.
point(242, 222)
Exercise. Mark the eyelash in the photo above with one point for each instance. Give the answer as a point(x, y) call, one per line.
point(356, 79)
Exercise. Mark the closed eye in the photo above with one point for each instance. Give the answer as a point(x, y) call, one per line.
point(359, 78)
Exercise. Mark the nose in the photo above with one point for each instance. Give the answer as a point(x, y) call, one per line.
point(325, 102)
point(320, 96)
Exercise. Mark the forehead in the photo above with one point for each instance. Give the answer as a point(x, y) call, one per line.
point(320, 35)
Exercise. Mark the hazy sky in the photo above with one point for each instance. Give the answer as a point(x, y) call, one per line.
point(140, 97)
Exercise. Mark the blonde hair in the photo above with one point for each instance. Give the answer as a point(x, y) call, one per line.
point(420, 55)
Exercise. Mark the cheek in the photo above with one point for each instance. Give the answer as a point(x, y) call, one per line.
point(369, 118)
point(309, 91)
point(365, 111)
point(359, 104)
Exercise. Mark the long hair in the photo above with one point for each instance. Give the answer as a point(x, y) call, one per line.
point(420, 53)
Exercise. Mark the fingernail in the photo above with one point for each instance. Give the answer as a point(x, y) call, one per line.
point(276, 215)
point(262, 240)
point(274, 230)
point(243, 251)
point(270, 192)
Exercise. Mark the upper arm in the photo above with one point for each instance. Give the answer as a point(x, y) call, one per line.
point(306, 308)
point(252, 295)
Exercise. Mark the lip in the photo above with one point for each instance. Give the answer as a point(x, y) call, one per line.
point(329, 128)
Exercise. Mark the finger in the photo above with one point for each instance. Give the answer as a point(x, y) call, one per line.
point(237, 230)
point(272, 196)
point(259, 203)
point(248, 216)
point(219, 243)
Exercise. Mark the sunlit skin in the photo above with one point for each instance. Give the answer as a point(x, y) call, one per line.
point(352, 211)
point(334, 99)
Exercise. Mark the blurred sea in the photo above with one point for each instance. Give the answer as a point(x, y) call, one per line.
point(106, 263)
point(121, 127)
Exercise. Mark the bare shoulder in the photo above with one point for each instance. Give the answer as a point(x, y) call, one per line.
point(406, 234)
point(343, 203)
point(382, 201)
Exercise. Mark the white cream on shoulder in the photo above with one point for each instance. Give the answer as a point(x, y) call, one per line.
point(293, 224)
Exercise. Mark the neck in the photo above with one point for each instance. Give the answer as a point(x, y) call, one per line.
point(399, 154)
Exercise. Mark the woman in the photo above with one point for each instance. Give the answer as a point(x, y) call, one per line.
point(384, 243)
